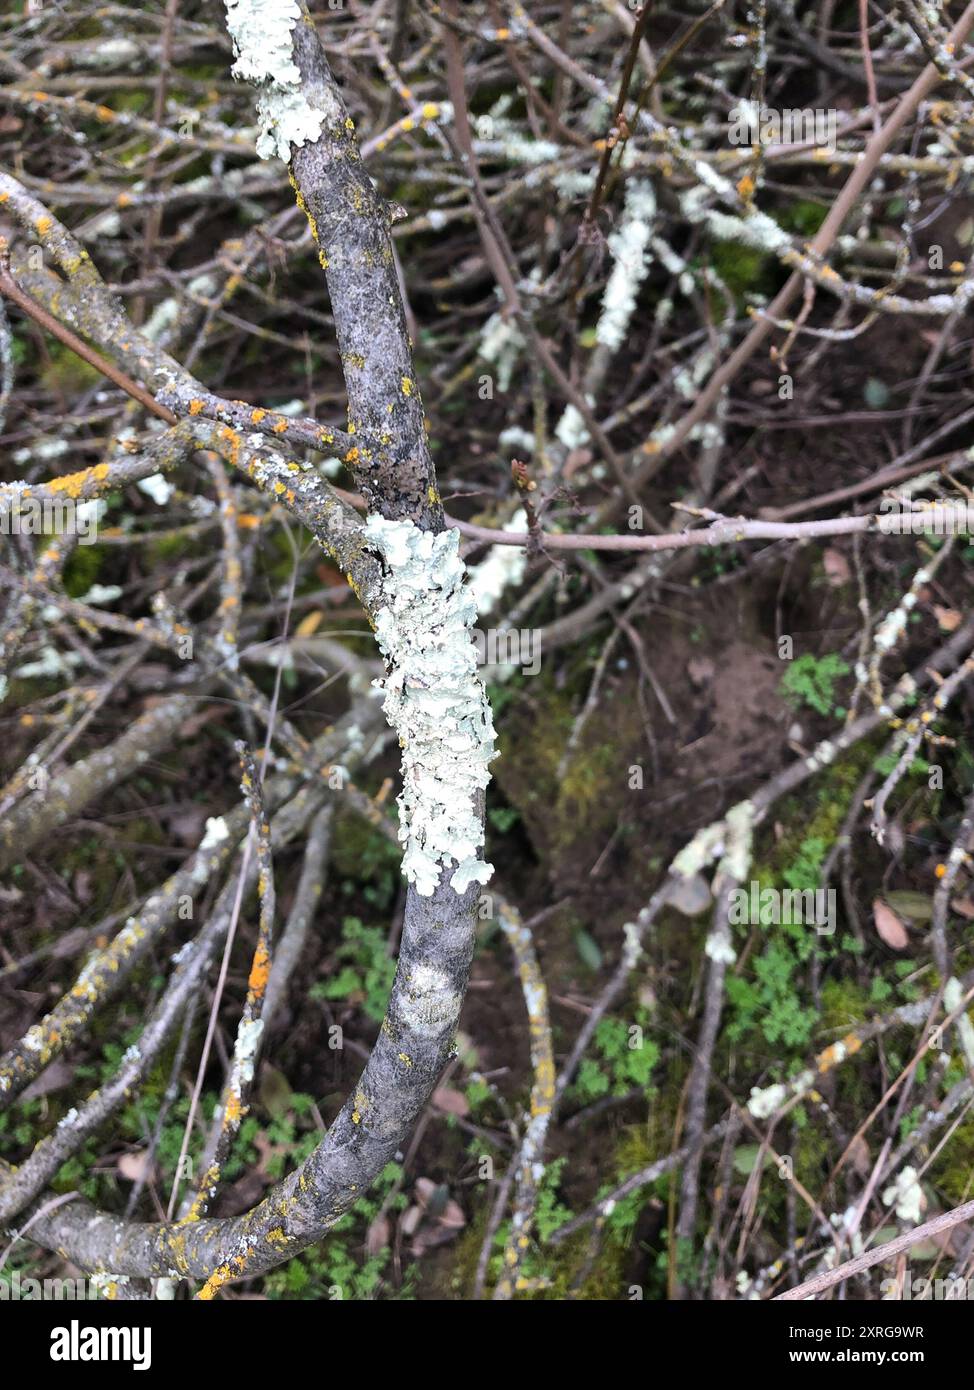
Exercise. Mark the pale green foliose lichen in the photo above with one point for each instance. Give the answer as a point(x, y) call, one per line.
point(261, 31)
point(435, 701)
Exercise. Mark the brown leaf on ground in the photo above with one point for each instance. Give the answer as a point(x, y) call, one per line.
point(889, 926)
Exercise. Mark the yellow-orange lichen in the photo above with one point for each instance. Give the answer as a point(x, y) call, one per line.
point(74, 483)
point(259, 970)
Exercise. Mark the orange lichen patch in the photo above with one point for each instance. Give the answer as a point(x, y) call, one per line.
point(39, 96)
point(280, 427)
point(123, 200)
point(259, 970)
point(352, 455)
point(502, 35)
point(232, 440)
point(233, 1111)
point(651, 446)
point(27, 720)
point(195, 407)
point(940, 870)
point(838, 1052)
point(74, 483)
point(4, 197)
point(257, 416)
point(745, 188)
point(104, 113)
point(247, 521)
point(221, 1276)
point(43, 226)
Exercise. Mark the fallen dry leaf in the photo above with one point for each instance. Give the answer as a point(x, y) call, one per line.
point(836, 567)
point(889, 926)
point(450, 1101)
point(948, 619)
point(135, 1166)
point(378, 1235)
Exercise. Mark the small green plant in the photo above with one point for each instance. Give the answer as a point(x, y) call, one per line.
point(625, 1060)
point(503, 818)
point(366, 972)
point(769, 1001)
point(810, 680)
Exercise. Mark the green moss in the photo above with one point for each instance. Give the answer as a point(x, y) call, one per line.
point(65, 373)
point(803, 217)
point(83, 569)
point(952, 1173)
point(844, 1005)
point(585, 802)
point(743, 269)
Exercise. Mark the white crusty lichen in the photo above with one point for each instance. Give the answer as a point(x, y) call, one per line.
point(503, 565)
point(428, 1000)
point(571, 429)
point(216, 832)
point(630, 251)
point(434, 700)
point(245, 1051)
point(738, 838)
point(501, 343)
point(157, 487)
point(763, 1104)
point(906, 1196)
point(261, 31)
point(953, 1000)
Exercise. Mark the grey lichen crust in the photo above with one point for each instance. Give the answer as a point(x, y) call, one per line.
point(435, 701)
